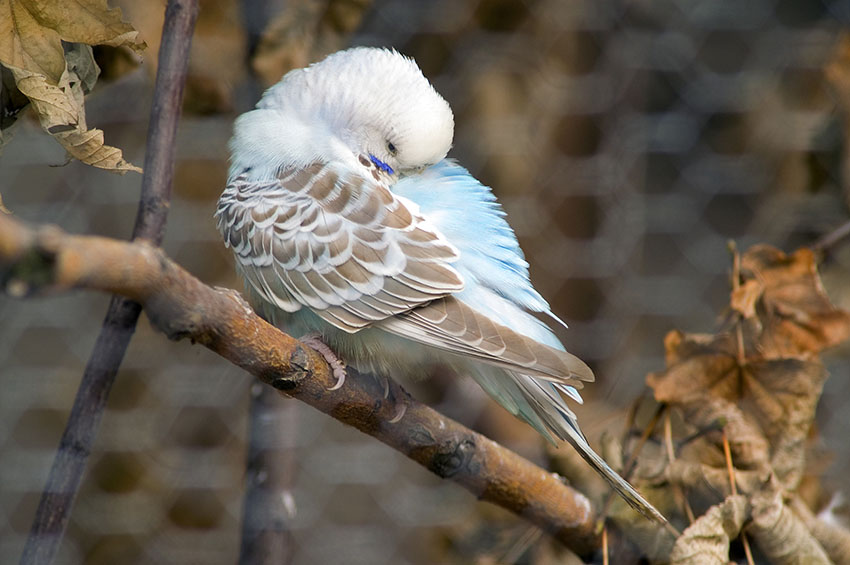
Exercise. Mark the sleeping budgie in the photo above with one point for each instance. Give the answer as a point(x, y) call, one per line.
point(349, 224)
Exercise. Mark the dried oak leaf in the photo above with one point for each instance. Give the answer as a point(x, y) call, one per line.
point(766, 406)
point(706, 541)
point(54, 75)
point(795, 316)
point(705, 381)
point(779, 533)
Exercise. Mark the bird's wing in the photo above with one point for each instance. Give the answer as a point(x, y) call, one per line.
point(453, 325)
point(336, 242)
point(345, 246)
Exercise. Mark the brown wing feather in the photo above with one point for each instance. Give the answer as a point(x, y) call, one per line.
point(336, 241)
point(452, 325)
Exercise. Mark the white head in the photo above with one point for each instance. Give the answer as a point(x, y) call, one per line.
point(360, 102)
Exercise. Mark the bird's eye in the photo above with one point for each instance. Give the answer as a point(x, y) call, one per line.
point(391, 148)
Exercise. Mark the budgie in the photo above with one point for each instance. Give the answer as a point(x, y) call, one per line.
point(349, 224)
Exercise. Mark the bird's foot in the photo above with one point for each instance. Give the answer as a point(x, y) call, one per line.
point(314, 340)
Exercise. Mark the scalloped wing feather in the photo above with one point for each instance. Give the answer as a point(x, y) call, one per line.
point(336, 242)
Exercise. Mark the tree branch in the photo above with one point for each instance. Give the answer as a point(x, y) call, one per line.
point(181, 306)
point(67, 469)
point(268, 506)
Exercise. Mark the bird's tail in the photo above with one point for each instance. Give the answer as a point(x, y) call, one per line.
point(539, 403)
point(623, 488)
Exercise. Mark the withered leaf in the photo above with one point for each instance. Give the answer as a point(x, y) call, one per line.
point(707, 540)
point(825, 528)
point(709, 481)
point(796, 318)
point(32, 31)
point(779, 533)
point(54, 76)
point(783, 394)
point(767, 406)
point(744, 297)
point(698, 365)
point(61, 112)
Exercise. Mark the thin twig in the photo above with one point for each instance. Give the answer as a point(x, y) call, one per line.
point(830, 240)
point(521, 545)
point(736, 284)
point(631, 463)
point(727, 452)
point(678, 491)
point(747, 551)
point(74, 449)
point(605, 545)
point(730, 467)
point(181, 306)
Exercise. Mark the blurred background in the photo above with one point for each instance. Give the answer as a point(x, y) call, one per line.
point(627, 141)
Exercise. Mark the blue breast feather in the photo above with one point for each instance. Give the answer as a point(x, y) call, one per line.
point(491, 262)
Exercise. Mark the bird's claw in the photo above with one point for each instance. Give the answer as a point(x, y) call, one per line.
point(339, 373)
point(314, 340)
point(402, 409)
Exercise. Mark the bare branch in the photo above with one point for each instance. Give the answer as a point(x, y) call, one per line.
point(181, 306)
point(268, 507)
point(67, 469)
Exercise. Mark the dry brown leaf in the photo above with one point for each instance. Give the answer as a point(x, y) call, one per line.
point(761, 383)
point(706, 541)
point(708, 481)
point(744, 297)
point(61, 112)
point(698, 366)
point(796, 318)
point(32, 31)
point(779, 533)
point(766, 406)
point(54, 76)
point(654, 543)
point(705, 382)
point(834, 538)
point(783, 395)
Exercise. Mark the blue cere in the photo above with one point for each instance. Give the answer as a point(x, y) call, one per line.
point(381, 165)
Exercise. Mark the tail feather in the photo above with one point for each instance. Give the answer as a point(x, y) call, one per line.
point(618, 483)
point(538, 402)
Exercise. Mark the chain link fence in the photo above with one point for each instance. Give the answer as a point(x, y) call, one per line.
point(627, 141)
